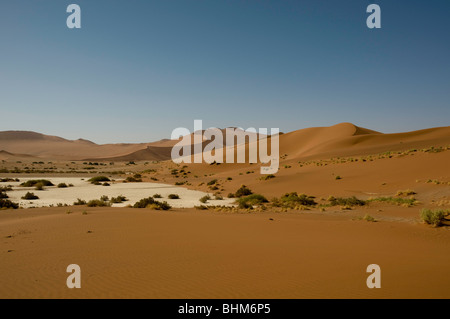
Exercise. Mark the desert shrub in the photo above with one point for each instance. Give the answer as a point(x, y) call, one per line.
point(406, 193)
point(157, 196)
point(201, 207)
point(106, 184)
point(133, 179)
point(251, 200)
point(433, 217)
point(34, 182)
point(6, 203)
point(267, 177)
point(98, 203)
point(173, 196)
point(3, 195)
point(218, 197)
point(79, 202)
point(229, 178)
point(231, 195)
point(104, 198)
point(6, 188)
point(62, 185)
point(96, 180)
point(151, 203)
point(212, 182)
point(350, 201)
point(338, 177)
point(291, 200)
point(369, 218)
point(30, 196)
point(117, 200)
point(243, 191)
point(204, 199)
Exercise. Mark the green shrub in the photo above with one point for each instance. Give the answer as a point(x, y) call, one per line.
point(3, 195)
point(204, 199)
point(243, 191)
point(62, 185)
point(151, 203)
point(173, 196)
point(30, 196)
point(33, 182)
point(6, 203)
point(433, 217)
point(369, 218)
point(265, 178)
point(338, 177)
point(133, 179)
point(251, 200)
point(79, 202)
point(98, 203)
point(292, 200)
point(350, 201)
point(117, 200)
point(96, 180)
point(157, 196)
point(212, 182)
point(406, 193)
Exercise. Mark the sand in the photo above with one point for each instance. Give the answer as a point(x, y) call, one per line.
point(139, 253)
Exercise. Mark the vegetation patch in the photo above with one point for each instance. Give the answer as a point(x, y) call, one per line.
point(30, 196)
point(293, 200)
point(342, 201)
point(34, 182)
point(153, 204)
point(96, 180)
point(433, 217)
point(6, 203)
point(251, 200)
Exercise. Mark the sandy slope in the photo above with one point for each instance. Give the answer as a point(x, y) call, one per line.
point(134, 253)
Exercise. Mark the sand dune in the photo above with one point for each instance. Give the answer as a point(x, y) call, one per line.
point(343, 139)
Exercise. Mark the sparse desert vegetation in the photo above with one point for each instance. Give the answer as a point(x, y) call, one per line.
point(434, 217)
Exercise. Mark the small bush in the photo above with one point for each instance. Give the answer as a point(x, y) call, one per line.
point(231, 195)
point(292, 200)
point(173, 196)
point(98, 203)
point(79, 202)
point(157, 196)
point(6, 203)
point(406, 193)
point(204, 199)
point(117, 200)
point(3, 195)
point(267, 177)
point(338, 177)
point(243, 191)
point(201, 207)
point(96, 180)
point(34, 182)
point(30, 196)
point(151, 203)
point(133, 179)
point(433, 217)
point(369, 218)
point(351, 201)
point(62, 185)
point(251, 200)
point(212, 182)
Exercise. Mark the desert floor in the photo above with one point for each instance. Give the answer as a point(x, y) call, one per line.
point(186, 253)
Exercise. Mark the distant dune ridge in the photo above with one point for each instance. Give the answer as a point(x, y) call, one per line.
point(344, 139)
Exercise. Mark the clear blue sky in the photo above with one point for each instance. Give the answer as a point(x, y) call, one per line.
point(137, 69)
